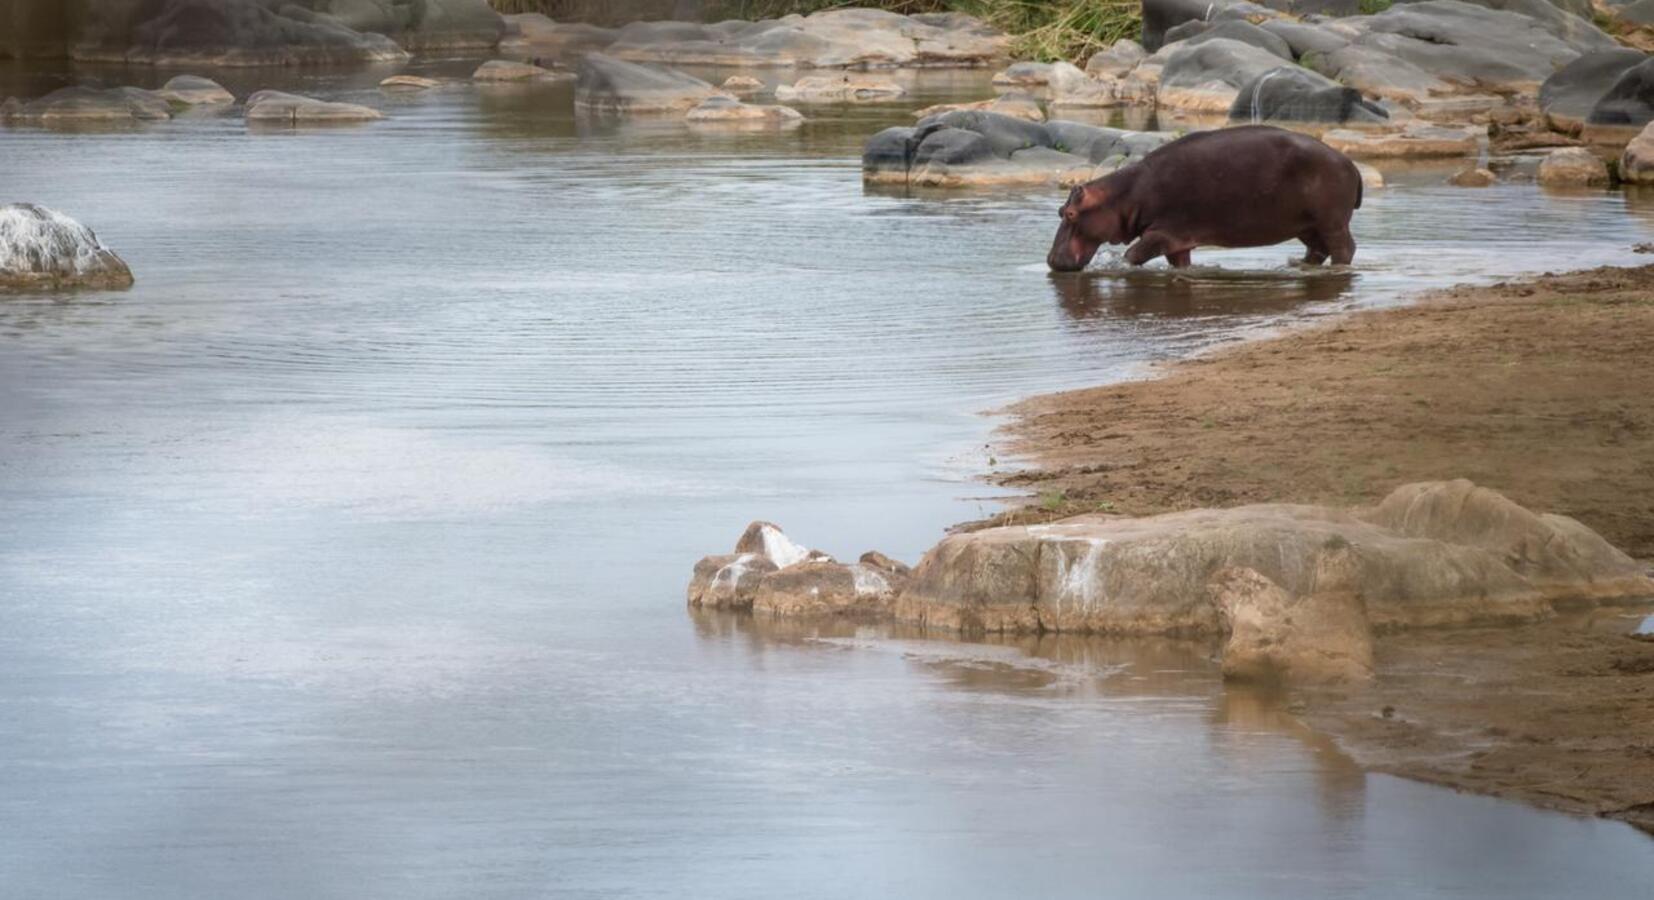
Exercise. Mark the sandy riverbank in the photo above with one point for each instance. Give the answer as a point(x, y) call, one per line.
point(1542, 389)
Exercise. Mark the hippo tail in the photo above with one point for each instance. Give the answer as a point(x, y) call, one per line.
point(1360, 186)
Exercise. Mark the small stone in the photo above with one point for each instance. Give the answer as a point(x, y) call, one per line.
point(1472, 177)
point(1573, 167)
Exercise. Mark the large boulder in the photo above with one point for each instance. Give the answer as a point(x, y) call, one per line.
point(41, 249)
point(1297, 589)
point(1295, 94)
point(839, 38)
point(1569, 20)
point(1475, 47)
point(969, 148)
point(222, 33)
point(277, 108)
point(75, 106)
point(420, 25)
point(1568, 96)
point(1628, 105)
point(610, 85)
point(1637, 160)
point(1207, 77)
point(1378, 74)
point(1246, 33)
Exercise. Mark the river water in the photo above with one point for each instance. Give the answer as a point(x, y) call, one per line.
point(344, 555)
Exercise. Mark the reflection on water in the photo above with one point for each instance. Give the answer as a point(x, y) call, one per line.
point(344, 555)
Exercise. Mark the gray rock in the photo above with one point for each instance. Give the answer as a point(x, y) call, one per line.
point(1637, 160)
point(1295, 94)
point(193, 90)
point(1246, 33)
point(970, 148)
point(89, 106)
point(1004, 134)
point(1629, 102)
point(1302, 37)
point(1471, 46)
point(221, 33)
point(1569, 20)
point(41, 249)
point(422, 25)
point(606, 84)
point(277, 108)
point(1117, 60)
point(1207, 77)
point(1567, 97)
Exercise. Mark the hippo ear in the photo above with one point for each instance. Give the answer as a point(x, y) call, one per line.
point(1088, 197)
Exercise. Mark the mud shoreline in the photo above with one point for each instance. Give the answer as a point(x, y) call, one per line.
point(1541, 389)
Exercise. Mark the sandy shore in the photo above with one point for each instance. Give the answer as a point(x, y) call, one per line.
point(1542, 389)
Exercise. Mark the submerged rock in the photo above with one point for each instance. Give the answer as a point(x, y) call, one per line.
point(280, 108)
point(771, 575)
point(838, 89)
point(1472, 177)
point(968, 148)
point(1573, 167)
point(42, 249)
point(610, 85)
point(89, 106)
point(728, 111)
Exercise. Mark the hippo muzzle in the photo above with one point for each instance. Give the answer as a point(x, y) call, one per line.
point(1071, 251)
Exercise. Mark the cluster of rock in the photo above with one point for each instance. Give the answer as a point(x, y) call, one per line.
point(42, 249)
point(606, 85)
point(1298, 590)
point(840, 38)
point(94, 106)
point(1417, 79)
point(979, 147)
point(244, 32)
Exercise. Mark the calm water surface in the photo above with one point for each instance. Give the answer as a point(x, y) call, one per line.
point(344, 555)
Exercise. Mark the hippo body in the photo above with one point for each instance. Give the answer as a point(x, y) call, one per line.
point(1250, 186)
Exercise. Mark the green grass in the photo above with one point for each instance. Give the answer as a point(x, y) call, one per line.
point(1045, 30)
point(1373, 7)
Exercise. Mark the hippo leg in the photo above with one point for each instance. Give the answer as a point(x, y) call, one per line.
point(1315, 249)
point(1150, 245)
point(1341, 245)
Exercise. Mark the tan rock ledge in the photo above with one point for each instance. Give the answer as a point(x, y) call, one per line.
point(1299, 591)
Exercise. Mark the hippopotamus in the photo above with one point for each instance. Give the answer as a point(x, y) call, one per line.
point(1250, 186)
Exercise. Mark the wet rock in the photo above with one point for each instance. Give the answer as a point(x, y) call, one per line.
point(73, 106)
point(839, 89)
point(42, 249)
point(1294, 94)
point(1637, 160)
point(743, 86)
point(731, 112)
point(193, 90)
point(979, 149)
point(824, 588)
point(1573, 167)
point(771, 575)
point(408, 83)
point(1472, 177)
point(1020, 106)
point(1568, 95)
point(1277, 635)
point(1628, 105)
point(1117, 60)
point(606, 84)
point(509, 70)
point(1414, 140)
point(280, 108)
point(839, 38)
point(1208, 77)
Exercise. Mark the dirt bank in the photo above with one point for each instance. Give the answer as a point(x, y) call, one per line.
point(1542, 389)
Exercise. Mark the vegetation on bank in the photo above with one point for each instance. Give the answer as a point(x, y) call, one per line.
point(1044, 29)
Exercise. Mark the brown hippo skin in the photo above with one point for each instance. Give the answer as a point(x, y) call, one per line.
point(1250, 186)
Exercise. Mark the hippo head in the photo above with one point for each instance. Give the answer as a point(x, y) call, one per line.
point(1089, 221)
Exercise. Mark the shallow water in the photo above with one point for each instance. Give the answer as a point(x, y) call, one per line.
point(344, 555)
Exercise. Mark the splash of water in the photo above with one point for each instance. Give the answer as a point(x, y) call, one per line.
point(35, 240)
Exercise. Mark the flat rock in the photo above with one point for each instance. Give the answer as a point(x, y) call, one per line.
point(408, 83)
point(1021, 106)
point(839, 89)
point(1573, 167)
point(606, 84)
point(280, 108)
point(1414, 140)
point(42, 249)
point(1637, 160)
point(511, 70)
point(743, 86)
point(731, 112)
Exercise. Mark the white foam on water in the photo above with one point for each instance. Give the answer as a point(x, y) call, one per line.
point(41, 241)
point(781, 550)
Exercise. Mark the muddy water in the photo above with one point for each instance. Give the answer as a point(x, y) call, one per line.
point(344, 555)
